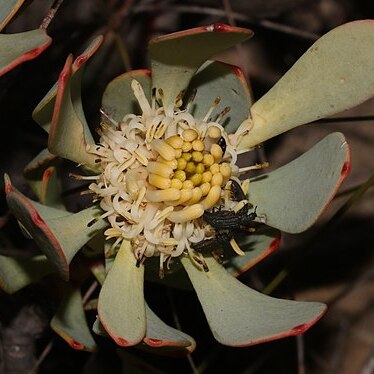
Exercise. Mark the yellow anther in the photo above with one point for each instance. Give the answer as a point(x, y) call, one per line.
point(178, 153)
point(157, 196)
point(216, 152)
point(186, 195)
point(186, 147)
point(189, 135)
point(200, 168)
point(175, 141)
point(188, 184)
point(207, 176)
point(196, 179)
point(214, 168)
point(205, 188)
point(198, 145)
point(159, 182)
point(225, 170)
point(181, 163)
point(164, 149)
point(187, 156)
point(190, 167)
point(173, 163)
point(176, 183)
point(196, 196)
point(212, 198)
point(186, 214)
point(180, 174)
point(217, 179)
point(214, 132)
point(197, 156)
point(208, 159)
point(160, 169)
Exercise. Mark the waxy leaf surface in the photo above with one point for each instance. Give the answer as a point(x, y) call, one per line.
point(17, 273)
point(121, 306)
point(292, 197)
point(8, 9)
point(70, 321)
point(176, 57)
point(336, 73)
point(240, 316)
point(216, 79)
point(58, 233)
point(18, 48)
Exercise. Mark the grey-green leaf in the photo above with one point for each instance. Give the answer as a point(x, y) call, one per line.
point(176, 57)
point(240, 316)
point(292, 197)
point(336, 73)
point(121, 306)
point(70, 321)
point(18, 48)
point(17, 273)
point(216, 79)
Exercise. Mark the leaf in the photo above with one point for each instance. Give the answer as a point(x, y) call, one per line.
point(17, 273)
point(34, 171)
point(69, 135)
point(215, 79)
point(176, 57)
point(18, 48)
point(119, 99)
point(165, 338)
point(336, 73)
point(43, 113)
point(51, 189)
point(7, 11)
point(70, 321)
point(121, 306)
point(256, 247)
point(58, 233)
point(240, 316)
point(295, 195)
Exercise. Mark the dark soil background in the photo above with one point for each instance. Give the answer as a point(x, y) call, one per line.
point(332, 263)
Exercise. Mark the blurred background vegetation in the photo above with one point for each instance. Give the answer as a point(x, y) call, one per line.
point(332, 262)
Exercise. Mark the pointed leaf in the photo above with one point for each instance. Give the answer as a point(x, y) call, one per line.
point(119, 99)
point(70, 321)
point(69, 134)
point(166, 338)
point(51, 189)
point(176, 57)
point(226, 81)
point(17, 273)
point(336, 73)
point(18, 48)
point(59, 234)
point(35, 169)
point(43, 113)
point(293, 196)
point(121, 305)
point(240, 316)
point(256, 247)
point(7, 11)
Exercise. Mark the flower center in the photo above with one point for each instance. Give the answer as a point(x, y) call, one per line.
point(161, 171)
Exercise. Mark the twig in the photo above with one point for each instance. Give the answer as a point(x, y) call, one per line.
point(51, 13)
point(42, 357)
point(345, 119)
point(300, 354)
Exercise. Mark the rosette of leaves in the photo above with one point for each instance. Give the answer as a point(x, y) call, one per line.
point(20, 47)
point(335, 74)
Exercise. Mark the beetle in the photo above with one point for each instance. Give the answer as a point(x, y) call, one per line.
point(220, 241)
point(228, 219)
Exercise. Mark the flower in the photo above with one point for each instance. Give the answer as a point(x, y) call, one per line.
point(157, 173)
